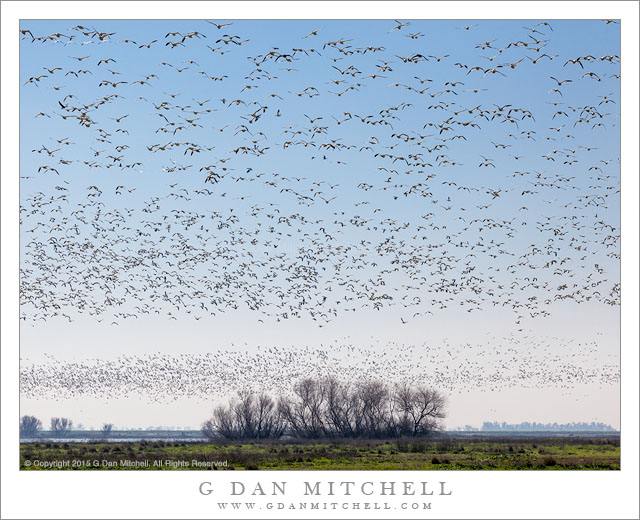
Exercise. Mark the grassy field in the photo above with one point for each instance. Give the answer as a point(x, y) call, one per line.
point(467, 454)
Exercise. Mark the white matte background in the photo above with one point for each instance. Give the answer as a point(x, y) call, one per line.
point(131, 494)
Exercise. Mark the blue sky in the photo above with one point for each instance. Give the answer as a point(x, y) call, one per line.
point(450, 218)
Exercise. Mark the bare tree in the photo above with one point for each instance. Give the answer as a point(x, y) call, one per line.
point(29, 426)
point(269, 421)
point(245, 414)
point(222, 424)
point(106, 429)
point(373, 396)
point(304, 415)
point(419, 410)
point(61, 425)
point(341, 410)
point(431, 408)
point(404, 400)
point(209, 429)
point(246, 417)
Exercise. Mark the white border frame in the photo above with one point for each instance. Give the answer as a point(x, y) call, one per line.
point(607, 494)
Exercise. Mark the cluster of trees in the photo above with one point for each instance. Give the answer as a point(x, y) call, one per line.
point(328, 408)
point(30, 426)
point(548, 427)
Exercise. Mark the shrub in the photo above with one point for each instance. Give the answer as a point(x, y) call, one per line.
point(418, 447)
point(403, 447)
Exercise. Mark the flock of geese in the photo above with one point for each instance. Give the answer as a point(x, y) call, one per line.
point(492, 364)
point(312, 181)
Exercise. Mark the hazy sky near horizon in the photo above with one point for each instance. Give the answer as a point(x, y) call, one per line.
point(450, 223)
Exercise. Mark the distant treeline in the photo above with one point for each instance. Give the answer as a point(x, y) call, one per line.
point(548, 427)
point(328, 408)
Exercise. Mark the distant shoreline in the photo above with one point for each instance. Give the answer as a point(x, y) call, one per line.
point(197, 436)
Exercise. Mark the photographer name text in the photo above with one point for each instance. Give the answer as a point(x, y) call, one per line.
point(329, 488)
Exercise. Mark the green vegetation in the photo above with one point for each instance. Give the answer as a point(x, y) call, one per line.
point(448, 454)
